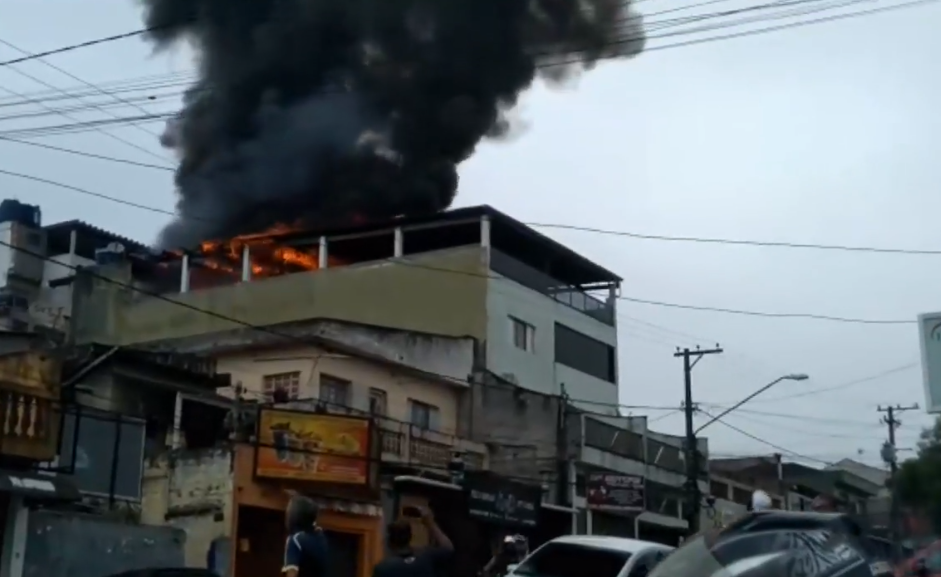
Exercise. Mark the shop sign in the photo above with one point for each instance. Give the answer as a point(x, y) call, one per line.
point(615, 491)
point(306, 446)
point(492, 498)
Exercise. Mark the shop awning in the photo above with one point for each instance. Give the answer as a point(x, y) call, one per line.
point(38, 486)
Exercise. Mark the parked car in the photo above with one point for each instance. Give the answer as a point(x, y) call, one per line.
point(592, 556)
point(772, 543)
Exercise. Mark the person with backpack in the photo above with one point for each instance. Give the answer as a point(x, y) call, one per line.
point(403, 561)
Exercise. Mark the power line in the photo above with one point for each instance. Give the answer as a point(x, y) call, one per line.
point(85, 82)
point(846, 385)
point(743, 242)
point(764, 441)
point(86, 154)
point(87, 43)
point(629, 39)
point(495, 277)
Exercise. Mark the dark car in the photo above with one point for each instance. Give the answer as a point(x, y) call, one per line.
point(779, 544)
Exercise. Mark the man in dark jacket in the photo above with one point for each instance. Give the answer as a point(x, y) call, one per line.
point(403, 561)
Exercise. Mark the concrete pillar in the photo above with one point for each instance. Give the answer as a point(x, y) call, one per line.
point(322, 256)
point(246, 263)
point(185, 274)
point(485, 232)
point(399, 242)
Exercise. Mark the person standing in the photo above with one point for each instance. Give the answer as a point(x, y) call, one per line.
point(403, 561)
point(305, 550)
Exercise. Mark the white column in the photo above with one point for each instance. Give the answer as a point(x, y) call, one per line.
point(73, 241)
point(399, 242)
point(485, 232)
point(177, 421)
point(185, 274)
point(246, 264)
point(588, 530)
point(322, 256)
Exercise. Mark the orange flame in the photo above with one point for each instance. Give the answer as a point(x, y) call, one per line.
point(266, 256)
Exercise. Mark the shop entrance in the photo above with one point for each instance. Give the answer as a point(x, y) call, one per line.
point(261, 539)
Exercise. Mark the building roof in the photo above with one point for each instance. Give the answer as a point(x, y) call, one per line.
point(90, 238)
point(505, 230)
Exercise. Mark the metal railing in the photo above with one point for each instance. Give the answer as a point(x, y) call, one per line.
point(405, 443)
point(538, 281)
point(29, 426)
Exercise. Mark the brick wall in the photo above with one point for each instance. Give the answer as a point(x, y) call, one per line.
point(191, 490)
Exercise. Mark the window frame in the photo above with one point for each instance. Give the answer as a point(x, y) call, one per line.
point(334, 381)
point(381, 396)
point(431, 412)
point(290, 380)
point(528, 335)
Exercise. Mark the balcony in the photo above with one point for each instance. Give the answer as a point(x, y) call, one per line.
point(29, 406)
point(407, 444)
point(598, 309)
point(637, 452)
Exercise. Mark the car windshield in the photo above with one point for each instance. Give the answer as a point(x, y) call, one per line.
point(573, 560)
point(693, 559)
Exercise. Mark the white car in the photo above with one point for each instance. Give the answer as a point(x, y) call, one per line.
point(592, 556)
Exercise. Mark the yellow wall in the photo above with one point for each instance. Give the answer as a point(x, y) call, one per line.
point(440, 292)
point(250, 367)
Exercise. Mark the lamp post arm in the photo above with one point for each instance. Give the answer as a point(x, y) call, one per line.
point(740, 403)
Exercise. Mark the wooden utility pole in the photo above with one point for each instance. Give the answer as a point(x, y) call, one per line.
point(690, 358)
point(889, 452)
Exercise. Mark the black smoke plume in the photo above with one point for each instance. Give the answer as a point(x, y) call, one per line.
point(314, 112)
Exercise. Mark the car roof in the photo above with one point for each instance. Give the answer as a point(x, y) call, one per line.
point(613, 543)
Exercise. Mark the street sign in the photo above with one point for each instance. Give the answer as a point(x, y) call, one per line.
point(929, 337)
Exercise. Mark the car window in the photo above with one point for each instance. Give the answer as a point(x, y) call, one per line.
point(573, 560)
point(643, 564)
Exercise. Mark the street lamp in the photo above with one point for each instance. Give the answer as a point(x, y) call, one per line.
point(792, 377)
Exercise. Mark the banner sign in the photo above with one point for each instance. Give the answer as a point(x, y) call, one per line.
point(615, 491)
point(313, 447)
point(493, 498)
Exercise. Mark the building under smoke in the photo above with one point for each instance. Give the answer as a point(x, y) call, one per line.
point(312, 112)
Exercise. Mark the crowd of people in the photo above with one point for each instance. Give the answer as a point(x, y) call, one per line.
point(306, 550)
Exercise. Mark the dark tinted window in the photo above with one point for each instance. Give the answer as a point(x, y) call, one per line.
point(571, 560)
point(583, 353)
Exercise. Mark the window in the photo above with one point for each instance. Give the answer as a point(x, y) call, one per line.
point(524, 335)
point(583, 353)
point(334, 390)
point(378, 402)
point(423, 415)
point(290, 383)
point(571, 560)
point(719, 490)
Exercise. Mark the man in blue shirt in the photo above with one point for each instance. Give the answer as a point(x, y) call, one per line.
point(305, 551)
point(403, 561)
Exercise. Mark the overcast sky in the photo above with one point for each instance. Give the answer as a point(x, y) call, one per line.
point(819, 134)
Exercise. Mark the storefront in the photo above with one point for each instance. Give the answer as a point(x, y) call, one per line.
point(615, 502)
point(478, 513)
point(19, 490)
point(328, 458)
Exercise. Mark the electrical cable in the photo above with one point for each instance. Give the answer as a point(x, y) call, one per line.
point(69, 74)
point(627, 40)
point(812, 316)
point(764, 441)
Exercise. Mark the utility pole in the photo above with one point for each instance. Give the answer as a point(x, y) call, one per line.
point(889, 456)
point(690, 358)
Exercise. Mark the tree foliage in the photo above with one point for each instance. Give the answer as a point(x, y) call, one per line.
point(918, 483)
